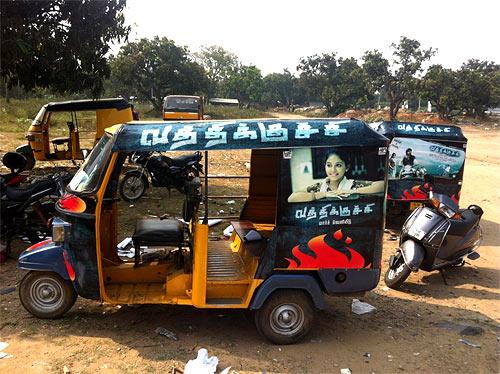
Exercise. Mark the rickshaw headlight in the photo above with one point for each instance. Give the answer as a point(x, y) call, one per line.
point(59, 230)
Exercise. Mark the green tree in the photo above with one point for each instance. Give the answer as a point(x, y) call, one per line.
point(219, 64)
point(441, 87)
point(151, 69)
point(339, 82)
point(59, 44)
point(281, 88)
point(244, 84)
point(479, 86)
point(399, 79)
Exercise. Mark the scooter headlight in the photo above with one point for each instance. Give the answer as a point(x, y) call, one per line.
point(59, 230)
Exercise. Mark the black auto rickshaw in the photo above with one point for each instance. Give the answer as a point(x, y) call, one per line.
point(311, 225)
point(421, 153)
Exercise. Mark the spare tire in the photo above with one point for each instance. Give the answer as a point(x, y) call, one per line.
point(27, 152)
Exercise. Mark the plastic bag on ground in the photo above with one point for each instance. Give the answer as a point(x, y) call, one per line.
point(202, 364)
point(359, 307)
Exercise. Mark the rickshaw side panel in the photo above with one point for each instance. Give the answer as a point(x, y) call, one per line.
point(438, 153)
point(80, 247)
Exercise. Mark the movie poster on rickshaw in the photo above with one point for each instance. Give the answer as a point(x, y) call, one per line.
point(415, 158)
point(332, 207)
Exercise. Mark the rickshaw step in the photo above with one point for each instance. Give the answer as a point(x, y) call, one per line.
point(137, 293)
point(224, 264)
point(223, 301)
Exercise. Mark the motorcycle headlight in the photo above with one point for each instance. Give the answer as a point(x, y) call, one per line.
point(59, 230)
point(446, 211)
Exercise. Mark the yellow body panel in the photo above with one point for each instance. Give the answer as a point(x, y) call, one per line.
point(171, 116)
point(200, 265)
point(108, 117)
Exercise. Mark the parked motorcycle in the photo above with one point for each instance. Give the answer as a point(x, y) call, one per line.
point(163, 171)
point(411, 172)
point(16, 162)
point(435, 237)
point(26, 211)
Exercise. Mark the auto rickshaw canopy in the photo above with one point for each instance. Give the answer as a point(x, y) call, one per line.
point(244, 134)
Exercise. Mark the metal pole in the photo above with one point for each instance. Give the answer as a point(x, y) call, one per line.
point(205, 219)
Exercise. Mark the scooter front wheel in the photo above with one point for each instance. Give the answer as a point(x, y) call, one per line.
point(396, 275)
point(46, 294)
point(132, 187)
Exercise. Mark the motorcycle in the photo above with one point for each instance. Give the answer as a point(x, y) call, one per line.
point(16, 162)
point(163, 171)
point(27, 211)
point(411, 172)
point(435, 237)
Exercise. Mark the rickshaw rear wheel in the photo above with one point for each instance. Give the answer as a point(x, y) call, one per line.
point(286, 316)
point(46, 294)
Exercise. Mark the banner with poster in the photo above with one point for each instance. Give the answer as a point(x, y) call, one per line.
point(410, 157)
point(332, 209)
point(411, 160)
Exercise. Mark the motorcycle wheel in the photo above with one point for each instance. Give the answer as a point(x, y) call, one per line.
point(132, 187)
point(46, 294)
point(396, 276)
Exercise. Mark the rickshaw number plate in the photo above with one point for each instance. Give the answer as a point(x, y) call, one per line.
point(414, 205)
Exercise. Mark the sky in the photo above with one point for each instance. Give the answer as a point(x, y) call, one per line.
point(275, 34)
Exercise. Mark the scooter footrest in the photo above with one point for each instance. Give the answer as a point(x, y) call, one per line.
point(473, 256)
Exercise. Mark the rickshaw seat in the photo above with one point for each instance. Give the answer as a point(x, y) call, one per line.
point(156, 232)
point(60, 141)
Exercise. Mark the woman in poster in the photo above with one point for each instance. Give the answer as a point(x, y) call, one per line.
point(336, 184)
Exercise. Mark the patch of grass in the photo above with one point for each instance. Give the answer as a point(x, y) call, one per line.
point(225, 112)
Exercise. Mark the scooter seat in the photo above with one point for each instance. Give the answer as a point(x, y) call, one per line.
point(462, 226)
point(184, 159)
point(21, 194)
point(156, 232)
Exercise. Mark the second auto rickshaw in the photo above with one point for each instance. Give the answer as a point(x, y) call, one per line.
point(59, 128)
point(311, 226)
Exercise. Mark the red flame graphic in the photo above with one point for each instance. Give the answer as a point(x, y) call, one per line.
point(456, 198)
point(325, 256)
point(416, 193)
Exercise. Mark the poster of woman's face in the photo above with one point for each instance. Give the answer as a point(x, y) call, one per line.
point(415, 158)
point(335, 173)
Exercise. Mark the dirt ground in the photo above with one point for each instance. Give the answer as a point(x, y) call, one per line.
point(413, 330)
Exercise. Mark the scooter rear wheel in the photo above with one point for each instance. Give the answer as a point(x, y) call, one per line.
point(46, 294)
point(397, 275)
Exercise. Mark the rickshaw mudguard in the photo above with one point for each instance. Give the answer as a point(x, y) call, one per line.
point(46, 256)
point(275, 282)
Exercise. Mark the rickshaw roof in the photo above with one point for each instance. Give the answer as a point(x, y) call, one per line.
point(118, 103)
point(244, 134)
point(393, 129)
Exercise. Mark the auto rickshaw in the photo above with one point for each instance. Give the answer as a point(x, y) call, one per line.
point(311, 225)
point(182, 107)
point(71, 119)
point(419, 153)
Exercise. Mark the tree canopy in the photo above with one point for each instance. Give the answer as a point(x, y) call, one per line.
point(219, 64)
point(398, 79)
point(59, 44)
point(154, 68)
point(339, 82)
point(244, 84)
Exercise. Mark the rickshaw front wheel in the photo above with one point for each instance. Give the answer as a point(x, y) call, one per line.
point(46, 294)
point(286, 316)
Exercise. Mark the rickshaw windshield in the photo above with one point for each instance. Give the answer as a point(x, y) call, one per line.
point(181, 104)
point(39, 117)
point(89, 175)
